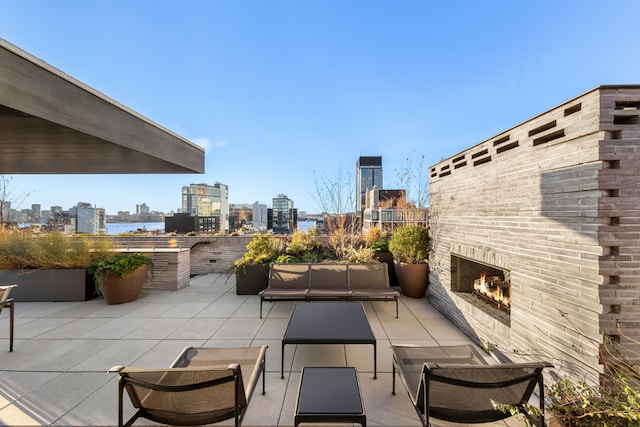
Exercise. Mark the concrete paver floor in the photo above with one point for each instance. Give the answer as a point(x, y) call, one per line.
point(57, 373)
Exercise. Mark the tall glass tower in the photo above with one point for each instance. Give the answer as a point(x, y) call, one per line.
point(284, 220)
point(368, 175)
point(208, 200)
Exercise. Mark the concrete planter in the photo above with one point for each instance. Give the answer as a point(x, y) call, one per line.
point(50, 284)
point(251, 279)
point(387, 257)
point(413, 278)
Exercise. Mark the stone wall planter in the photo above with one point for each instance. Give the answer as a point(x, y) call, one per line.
point(50, 284)
point(251, 279)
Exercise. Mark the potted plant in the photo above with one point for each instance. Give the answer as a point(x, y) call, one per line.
point(49, 266)
point(382, 254)
point(120, 277)
point(410, 248)
point(252, 270)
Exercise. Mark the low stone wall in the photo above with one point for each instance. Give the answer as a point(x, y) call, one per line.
point(208, 254)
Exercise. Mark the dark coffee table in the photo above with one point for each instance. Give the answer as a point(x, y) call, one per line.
point(329, 323)
point(329, 395)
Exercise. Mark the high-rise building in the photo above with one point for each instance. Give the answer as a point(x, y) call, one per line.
point(260, 217)
point(368, 176)
point(205, 200)
point(240, 216)
point(142, 209)
point(88, 219)
point(36, 213)
point(284, 215)
point(385, 209)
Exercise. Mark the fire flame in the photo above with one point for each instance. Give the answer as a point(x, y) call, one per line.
point(494, 288)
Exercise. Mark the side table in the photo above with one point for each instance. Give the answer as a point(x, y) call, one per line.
point(329, 395)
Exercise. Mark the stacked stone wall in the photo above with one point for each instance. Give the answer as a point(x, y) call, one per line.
point(208, 254)
point(536, 200)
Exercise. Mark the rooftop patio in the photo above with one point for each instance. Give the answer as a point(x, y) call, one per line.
point(57, 373)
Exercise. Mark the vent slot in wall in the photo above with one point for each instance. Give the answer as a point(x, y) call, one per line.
point(501, 140)
point(550, 137)
point(573, 109)
point(625, 120)
point(507, 147)
point(542, 128)
point(627, 105)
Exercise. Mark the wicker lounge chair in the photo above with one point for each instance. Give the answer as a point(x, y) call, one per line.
point(5, 301)
point(202, 386)
point(455, 384)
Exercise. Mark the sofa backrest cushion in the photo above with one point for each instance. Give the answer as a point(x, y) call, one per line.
point(329, 276)
point(368, 276)
point(289, 276)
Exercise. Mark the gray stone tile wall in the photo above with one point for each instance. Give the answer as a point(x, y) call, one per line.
point(555, 201)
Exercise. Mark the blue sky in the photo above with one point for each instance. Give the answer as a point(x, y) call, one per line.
point(275, 90)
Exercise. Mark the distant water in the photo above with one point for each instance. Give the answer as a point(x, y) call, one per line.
point(117, 228)
point(305, 225)
point(126, 227)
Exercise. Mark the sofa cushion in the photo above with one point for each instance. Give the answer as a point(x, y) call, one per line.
point(368, 276)
point(289, 276)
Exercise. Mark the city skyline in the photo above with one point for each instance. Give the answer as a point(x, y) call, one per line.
point(279, 92)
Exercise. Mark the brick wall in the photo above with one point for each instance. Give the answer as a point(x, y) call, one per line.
point(555, 202)
point(208, 254)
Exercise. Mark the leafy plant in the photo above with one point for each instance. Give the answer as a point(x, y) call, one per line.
point(410, 244)
point(380, 245)
point(303, 243)
point(262, 249)
point(613, 402)
point(581, 405)
point(373, 234)
point(287, 259)
point(119, 264)
point(360, 255)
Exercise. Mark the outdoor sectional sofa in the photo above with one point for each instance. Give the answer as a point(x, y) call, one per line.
point(329, 282)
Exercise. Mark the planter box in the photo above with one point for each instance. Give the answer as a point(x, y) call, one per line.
point(50, 284)
point(387, 257)
point(413, 278)
point(251, 279)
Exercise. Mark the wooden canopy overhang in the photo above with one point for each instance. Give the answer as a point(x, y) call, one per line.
point(50, 123)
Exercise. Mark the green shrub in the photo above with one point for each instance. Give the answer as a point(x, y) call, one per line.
point(380, 245)
point(287, 259)
point(410, 244)
point(262, 249)
point(119, 264)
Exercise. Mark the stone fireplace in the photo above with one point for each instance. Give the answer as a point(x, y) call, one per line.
point(561, 231)
point(483, 285)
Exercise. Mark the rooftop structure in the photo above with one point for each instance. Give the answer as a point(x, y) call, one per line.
point(285, 218)
point(550, 207)
point(68, 127)
point(205, 200)
point(368, 176)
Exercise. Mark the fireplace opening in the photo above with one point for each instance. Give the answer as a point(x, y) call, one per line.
point(484, 286)
point(494, 290)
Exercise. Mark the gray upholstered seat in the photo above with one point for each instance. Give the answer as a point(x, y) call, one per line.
point(203, 386)
point(454, 383)
point(5, 301)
